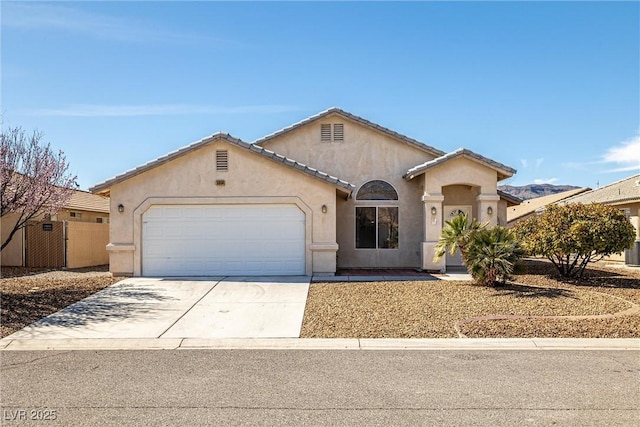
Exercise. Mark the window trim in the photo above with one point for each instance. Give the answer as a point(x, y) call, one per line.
point(377, 200)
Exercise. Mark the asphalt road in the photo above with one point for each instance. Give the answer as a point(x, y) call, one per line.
point(302, 387)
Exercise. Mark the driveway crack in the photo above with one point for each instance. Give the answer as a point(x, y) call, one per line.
point(191, 308)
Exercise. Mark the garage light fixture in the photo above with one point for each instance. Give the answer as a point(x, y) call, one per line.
point(433, 210)
point(324, 208)
point(490, 210)
point(120, 208)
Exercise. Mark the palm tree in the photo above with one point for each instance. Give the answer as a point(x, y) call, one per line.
point(492, 254)
point(456, 235)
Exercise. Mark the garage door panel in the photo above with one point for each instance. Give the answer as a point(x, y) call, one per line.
point(223, 240)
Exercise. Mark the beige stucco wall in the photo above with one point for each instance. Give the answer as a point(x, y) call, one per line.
point(635, 221)
point(86, 244)
point(502, 213)
point(364, 155)
point(191, 179)
point(459, 181)
point(86, 216)
point(12, 254)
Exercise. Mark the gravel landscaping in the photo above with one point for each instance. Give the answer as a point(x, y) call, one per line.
point(431, 309)
point(29, 294)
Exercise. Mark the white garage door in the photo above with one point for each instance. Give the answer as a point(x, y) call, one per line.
point(213, 240)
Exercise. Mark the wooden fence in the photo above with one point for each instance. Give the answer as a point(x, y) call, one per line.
point(68, 244)
point(44, 244)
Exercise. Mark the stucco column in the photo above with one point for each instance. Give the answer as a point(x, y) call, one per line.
point(488, 208)
point(432, 228)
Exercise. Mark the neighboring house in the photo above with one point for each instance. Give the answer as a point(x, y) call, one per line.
point(331, 191)
point(84, 207)
point(529, 207)
point(75, 236)
point(625, 195)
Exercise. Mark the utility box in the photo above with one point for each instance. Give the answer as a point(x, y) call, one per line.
point(632, 256)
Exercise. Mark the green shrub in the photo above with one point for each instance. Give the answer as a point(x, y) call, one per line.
point(489, 253)
point(573, 235)
point(456, 235)
point(492, 254)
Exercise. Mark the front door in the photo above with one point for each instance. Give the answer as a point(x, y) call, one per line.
point(450, 212)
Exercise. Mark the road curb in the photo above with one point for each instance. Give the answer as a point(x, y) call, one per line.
point(324, 344)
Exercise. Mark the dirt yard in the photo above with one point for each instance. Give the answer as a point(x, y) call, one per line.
point(29, 294)
point(537, 304)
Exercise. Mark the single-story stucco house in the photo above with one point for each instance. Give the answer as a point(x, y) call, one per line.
point(331, 191)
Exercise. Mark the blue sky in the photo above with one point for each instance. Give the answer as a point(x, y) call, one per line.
point(549, 88)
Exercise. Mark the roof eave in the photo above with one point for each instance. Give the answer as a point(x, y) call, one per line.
point(105, 187)
point(503, 171)
point(509, 197)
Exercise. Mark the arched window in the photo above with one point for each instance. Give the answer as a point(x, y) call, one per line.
point(377, 190)
point(376, 226)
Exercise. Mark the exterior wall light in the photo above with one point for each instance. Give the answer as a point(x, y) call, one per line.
point(433, 210)
point(324, 208)
point(490, 210)
point(120, 208)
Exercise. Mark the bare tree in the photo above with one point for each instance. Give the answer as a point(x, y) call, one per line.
point(35, 180)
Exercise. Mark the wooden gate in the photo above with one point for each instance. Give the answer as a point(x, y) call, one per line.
point(45, 244)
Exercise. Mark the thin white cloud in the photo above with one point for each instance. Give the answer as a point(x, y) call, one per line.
point(625, 155)
point(93, 110)
point(545, 181)
point(38, 16)
point(526, 162)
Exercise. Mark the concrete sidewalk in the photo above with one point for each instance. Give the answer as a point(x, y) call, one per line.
point(424, 344)
point(458, 275)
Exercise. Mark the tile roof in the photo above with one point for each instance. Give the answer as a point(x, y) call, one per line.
point(104, 186)
point(85, 201)
point(335, 110)
point(504, 171)
point(530, 206)
point(624, 191)
point(509, 197)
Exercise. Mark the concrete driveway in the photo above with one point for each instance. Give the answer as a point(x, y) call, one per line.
point(229, 307)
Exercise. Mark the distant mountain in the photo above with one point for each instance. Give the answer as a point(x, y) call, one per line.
point(532, 191)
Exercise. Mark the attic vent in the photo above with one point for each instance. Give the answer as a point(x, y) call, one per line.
point(330, 132)
point(325, 132)
point(222, 160)
point(338, 132)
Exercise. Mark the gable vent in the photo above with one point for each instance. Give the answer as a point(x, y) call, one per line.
point(325, 132)
point(338, 132)
point(222, 160)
